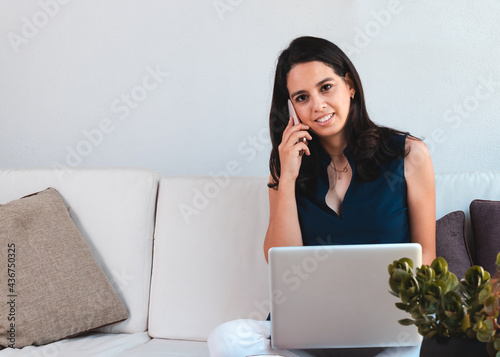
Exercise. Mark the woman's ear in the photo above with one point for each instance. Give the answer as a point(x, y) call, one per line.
point(349, 81)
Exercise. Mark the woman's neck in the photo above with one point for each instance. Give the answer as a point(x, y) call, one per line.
point(334, 146)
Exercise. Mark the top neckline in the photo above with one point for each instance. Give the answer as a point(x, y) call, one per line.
point(325, 160)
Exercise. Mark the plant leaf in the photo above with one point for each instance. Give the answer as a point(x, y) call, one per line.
point(465, 323)
point(484, 294)
point(451, 281)
point(431, 334)
point(485, 331)
point(497, 344)
point(440, 266)
point(401, 306)
point(406, 322)
point(491, 305)
point(422, 320)
point(393, 293)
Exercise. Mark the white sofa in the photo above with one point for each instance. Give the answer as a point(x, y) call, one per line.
point(184, 253)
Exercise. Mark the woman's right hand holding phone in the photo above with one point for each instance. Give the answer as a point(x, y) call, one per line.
point(284, 228)
point(291, 149)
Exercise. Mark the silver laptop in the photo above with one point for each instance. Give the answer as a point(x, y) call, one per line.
point(338, 296)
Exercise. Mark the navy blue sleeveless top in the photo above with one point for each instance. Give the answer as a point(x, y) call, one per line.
point(372, 212)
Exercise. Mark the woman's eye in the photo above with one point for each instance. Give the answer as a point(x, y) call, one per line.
point(301, 98)
point(326, 87)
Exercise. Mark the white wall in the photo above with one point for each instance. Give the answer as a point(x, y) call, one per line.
point(68, 67)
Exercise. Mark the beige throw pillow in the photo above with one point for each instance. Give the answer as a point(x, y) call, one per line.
point(51, 286)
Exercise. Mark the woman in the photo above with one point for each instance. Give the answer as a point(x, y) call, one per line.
point(349, 182)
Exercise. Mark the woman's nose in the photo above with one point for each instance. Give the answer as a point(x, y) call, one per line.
point(318, 103)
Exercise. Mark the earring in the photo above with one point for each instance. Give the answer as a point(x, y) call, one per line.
point(352, 95)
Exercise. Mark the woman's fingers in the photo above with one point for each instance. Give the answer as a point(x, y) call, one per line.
point(303, 148)
point(286, 132)
point(293, 146)
point(299, 136)
point(293, 133)
point(291, 129)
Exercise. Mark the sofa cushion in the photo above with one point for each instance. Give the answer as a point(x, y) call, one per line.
point(159, 347)
point(485, 220)
point(93, 344)
point(209, 264)
point(56, 288)
point(451, 243)
point(114, 209)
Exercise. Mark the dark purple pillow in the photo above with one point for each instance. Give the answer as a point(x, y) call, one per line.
point(485, 220)
point(451, 243)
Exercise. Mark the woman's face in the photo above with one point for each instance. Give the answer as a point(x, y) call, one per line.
point(320, 97)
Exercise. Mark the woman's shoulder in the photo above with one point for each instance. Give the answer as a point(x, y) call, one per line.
point(408, 143)
point(415, 147)
point(418, 157)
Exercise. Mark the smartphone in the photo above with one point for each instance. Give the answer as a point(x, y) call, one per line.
point(291, 112)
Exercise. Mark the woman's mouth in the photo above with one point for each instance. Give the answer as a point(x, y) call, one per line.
point(325, 120)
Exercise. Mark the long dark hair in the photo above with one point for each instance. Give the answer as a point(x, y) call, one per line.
point(367, 140)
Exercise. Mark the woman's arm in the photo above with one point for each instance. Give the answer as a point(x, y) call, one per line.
point(284, 228)
point(419, 175)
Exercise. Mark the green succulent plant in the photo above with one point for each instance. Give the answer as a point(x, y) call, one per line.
point(440, 305)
